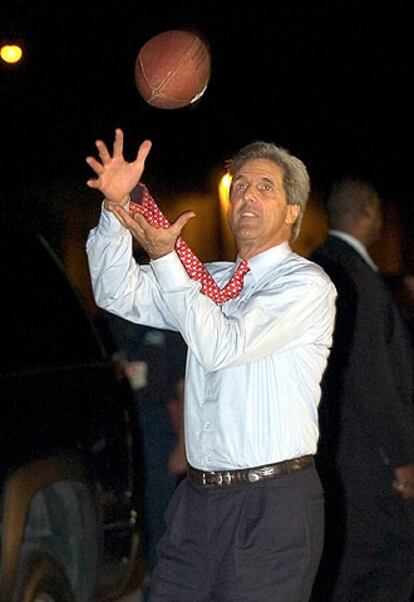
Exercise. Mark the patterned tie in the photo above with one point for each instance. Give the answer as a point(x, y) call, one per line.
point(142, 201)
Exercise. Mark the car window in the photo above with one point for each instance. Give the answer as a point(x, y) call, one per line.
point(44, 323)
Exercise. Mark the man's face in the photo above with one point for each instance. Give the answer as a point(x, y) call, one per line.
point(259, 215)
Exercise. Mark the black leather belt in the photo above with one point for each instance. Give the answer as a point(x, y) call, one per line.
point(249, 475)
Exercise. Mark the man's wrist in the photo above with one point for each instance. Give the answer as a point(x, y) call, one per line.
point(122, 203)
point(154, 255)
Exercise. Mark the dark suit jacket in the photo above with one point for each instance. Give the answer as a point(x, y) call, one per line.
point(366, 410)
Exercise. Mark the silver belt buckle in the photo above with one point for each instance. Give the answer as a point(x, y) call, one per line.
point(227, 478)
point(253, 476)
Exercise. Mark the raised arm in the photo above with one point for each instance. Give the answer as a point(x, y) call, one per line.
point(116, 179)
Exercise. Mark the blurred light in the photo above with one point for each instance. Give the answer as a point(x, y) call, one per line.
point(229, 250)
point(224, 190)
point(11, 53)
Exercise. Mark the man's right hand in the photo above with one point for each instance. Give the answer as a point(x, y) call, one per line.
point(404, 481)
point(116, 177)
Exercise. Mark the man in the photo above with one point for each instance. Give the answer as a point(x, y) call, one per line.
point(366, 451)
point(246, 522)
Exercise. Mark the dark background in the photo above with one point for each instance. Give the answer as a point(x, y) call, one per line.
point(330, 81)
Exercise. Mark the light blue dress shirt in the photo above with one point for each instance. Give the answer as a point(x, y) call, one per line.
point(254, 364)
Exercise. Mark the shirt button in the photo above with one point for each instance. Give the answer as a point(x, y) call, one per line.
point(208, 459)
point(207, 426)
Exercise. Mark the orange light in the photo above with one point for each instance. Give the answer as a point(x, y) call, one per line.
point(227, 239)
point(11, 53)
point(224, 188)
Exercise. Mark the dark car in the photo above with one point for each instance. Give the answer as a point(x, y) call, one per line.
point(70, 460)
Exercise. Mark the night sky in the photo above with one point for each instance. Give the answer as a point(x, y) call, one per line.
point(330, 81)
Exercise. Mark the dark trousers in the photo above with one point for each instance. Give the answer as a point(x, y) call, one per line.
point(369, 545)
point(377, 564)
point(257, 542)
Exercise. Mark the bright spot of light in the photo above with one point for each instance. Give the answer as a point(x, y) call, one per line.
point(224, 189)
point(11, 53)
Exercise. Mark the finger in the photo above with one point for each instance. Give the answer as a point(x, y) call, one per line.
point(135, 208)
point(145, 226)
point(397, 486)
point(126, 219)
point(406, 493)
point(181, 221)
point(103, 151)
point(118, 142)
point(118, 209)
point(120, 214)
point(93, 183)
point(114, 208)
point(143, 153)
point(147, 222)
point(404, 489)
point(141, 219)
point(96, 166)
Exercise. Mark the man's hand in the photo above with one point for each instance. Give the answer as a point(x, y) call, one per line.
point(404, 481)
point(116, 177)
point(157, 242)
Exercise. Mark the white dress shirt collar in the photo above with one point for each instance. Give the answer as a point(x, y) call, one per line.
point(356, 245)
point(260, 264)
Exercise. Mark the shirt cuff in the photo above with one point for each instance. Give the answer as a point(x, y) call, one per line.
point(170, 272)
point(109, 225)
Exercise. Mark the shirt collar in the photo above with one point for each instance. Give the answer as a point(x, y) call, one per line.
point(262, 262)
point(356, 245)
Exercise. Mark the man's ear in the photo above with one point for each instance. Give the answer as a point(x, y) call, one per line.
point(367, 210)
point(292, 213)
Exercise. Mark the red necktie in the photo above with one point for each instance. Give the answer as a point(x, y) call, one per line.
point(142, 201)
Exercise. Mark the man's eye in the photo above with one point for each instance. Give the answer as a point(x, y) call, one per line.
point(266, 187)
point(240, 186)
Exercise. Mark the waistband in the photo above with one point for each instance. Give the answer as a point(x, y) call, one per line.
point(249, 475)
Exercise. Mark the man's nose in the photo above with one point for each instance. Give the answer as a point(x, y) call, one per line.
point(249, 193)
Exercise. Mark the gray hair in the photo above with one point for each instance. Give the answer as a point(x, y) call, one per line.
point(296, 180)
point(347, 198)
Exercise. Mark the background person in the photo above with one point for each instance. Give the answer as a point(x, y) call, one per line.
point(366, 450)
